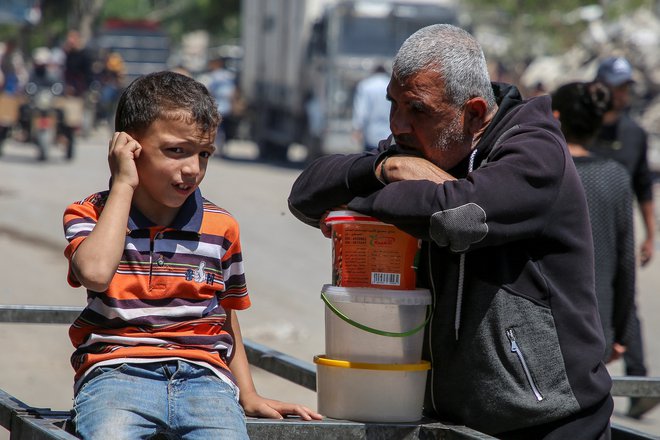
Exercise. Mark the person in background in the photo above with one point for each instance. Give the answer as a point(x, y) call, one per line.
point(580, 107)
point(77, 65)
point(623, 140)
point(371, 110)
point(13, 77)
point(158, 348)
point(13, 72)
point(221, 82)
point(485, 180)
point(111, 80)
point(539, 89)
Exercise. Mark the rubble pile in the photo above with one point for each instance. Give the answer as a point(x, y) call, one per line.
point(635, 37)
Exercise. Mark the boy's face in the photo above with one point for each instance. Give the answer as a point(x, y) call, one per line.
point(171, 166)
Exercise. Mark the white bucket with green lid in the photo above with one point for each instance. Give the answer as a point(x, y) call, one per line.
point(375, 325)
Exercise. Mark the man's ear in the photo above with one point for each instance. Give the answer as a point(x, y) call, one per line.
point(474, 114)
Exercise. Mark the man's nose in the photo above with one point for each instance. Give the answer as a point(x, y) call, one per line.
point(399, 124)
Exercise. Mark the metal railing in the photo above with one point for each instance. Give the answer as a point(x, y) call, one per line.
point(27, 422)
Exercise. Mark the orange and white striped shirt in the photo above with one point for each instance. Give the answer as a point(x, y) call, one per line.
point(171, 293)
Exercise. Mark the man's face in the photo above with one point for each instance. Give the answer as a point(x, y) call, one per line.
point(171, 166)
point(620, 96)
point(422, 120)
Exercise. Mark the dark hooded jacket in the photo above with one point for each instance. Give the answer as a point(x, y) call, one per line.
point(515, 340)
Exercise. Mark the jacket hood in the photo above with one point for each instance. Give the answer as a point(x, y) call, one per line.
point(510, 103)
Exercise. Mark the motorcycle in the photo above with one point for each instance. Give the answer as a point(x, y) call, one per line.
point(43, 122)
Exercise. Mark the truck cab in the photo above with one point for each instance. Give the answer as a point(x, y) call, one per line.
point(303, 61)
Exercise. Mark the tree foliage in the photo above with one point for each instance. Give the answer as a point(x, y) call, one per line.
point(533, 27)
point(219, 18)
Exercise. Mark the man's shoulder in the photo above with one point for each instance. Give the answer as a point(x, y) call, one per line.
point(616, 173)
point(530, 119)
point(628, 122)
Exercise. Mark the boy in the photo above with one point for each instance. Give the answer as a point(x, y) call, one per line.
point(158, 347)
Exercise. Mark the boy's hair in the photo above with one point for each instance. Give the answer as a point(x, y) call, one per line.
point(167, 95)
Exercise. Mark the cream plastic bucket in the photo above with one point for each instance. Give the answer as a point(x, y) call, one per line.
point(369, 253)
point(375, 325)
point(367, 392)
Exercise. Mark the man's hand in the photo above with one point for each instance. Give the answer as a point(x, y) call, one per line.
point(403, 167)
point(325, 228)
point(617, 352)
point(123, 151)
point(646, 251)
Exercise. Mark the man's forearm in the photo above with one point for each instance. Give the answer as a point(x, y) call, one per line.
point(647, 209)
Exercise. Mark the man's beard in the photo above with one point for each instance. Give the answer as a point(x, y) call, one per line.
point(451, 135)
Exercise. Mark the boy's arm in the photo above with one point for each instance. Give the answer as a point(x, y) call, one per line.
point(96, 259)
point(253, 404)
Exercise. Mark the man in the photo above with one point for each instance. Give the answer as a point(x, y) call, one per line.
point(77, 65)
point(221, 82)
point(623, 140)
point(371, 110)
point(486, 181)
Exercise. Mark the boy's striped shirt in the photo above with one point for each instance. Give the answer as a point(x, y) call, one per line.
point(172, 290)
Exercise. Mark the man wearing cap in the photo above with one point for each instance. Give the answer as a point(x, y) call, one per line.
point(623, 140)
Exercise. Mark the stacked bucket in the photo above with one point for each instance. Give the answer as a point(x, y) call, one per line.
point(374, 324)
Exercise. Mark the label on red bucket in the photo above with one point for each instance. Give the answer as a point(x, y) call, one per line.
point(370, 253)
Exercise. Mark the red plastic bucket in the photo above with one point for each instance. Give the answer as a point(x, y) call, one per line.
point(369, 253)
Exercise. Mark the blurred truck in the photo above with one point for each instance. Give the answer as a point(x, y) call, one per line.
point(302, 60)
point(143, 45)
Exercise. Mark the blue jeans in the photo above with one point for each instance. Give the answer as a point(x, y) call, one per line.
point(175, 399)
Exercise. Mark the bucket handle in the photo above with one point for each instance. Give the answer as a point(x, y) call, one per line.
point(337, 312)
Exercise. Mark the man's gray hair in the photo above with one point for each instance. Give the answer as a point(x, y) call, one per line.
point(454, 54)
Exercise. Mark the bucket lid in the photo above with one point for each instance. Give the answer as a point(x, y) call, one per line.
point(368, 295)
point(349, 216)
point(323, 360)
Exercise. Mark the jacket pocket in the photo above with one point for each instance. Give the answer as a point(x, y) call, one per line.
point(506, 371)
point(518, 350)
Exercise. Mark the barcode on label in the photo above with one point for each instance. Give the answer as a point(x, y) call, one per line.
point(388, 279)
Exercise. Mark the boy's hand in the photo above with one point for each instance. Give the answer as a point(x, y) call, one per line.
point(256, 406)
point(121, 158)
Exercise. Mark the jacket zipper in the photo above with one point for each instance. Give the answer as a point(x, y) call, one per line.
point(435, 408)
point(516, 349)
